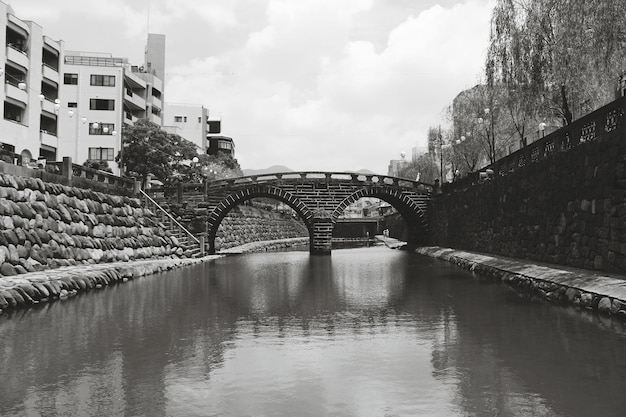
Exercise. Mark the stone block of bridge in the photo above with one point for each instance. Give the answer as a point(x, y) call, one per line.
point(322, 236)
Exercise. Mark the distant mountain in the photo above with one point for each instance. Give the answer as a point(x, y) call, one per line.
point(366, 171)
point(271, 170)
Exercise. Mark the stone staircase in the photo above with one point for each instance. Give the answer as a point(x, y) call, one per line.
point(194, 247)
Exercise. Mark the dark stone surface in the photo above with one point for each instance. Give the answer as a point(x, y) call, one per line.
point(567, 209)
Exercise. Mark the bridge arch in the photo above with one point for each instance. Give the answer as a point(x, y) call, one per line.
point(413, 214)
point(254, 191)
point(319, 198)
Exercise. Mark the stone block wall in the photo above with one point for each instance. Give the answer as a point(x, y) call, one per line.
point(46, 225)
point(568, 209)
point(245, 224)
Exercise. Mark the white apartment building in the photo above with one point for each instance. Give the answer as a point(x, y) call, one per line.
point(31, 71)
point(188, 121)
point(100, 95)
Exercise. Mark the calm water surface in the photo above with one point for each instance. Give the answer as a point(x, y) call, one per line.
point(364, 332)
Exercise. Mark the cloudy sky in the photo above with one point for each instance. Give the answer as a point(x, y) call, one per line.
point(333, 85)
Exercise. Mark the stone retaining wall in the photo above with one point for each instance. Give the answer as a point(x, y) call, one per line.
point(567, 209)
point(45, 225)
point(246, 224)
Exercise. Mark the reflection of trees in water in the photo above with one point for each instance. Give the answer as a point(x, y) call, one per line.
point(501, 353)
point(118, 341)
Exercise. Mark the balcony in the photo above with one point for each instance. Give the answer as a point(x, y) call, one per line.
point(17, 25)
point(134, 81)
point(17, 56)
point(155, 119)
point(49, 139)
point(129, 118)
point(133, 100)
point(13, 92)
point(156, 102)
point(157, 83)
point(50, 73)
point(48, 106)
point(52, 45)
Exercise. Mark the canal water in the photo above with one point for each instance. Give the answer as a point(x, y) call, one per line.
point(363, 332)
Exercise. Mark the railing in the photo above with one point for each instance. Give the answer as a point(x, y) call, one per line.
point(605, 122)
point(103, 177)
point(175, 222)
point(21, 49)
point(319, 176)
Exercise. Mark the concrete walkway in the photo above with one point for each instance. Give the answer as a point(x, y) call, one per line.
point(589, 289)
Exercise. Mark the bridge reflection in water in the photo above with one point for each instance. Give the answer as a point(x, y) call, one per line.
point(365, 332)
point(319, 198)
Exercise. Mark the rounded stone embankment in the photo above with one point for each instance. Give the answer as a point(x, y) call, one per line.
point(266, 245)
point(32, 288)
point(47, 225)
point(56, 240)
point(604, 293)
point(246, 225)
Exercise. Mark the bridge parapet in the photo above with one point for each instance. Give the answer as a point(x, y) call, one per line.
point(316, 176)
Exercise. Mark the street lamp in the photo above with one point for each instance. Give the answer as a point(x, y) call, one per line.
point(488, 124)
point(542, 129)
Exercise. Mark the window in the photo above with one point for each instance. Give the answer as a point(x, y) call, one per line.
point(224, 145)
point(71, 104)
point(70, 79)
point(101, 154)
point(101, 129)
point(178, 119)
point(101, 104)
point(103, 80)
point(199, 119)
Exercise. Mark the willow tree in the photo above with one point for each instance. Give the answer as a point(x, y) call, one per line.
point(556, 58)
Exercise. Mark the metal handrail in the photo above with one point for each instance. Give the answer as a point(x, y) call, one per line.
point(170, 216)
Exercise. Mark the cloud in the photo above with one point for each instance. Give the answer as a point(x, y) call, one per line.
point(300, 92)
point(311, 84)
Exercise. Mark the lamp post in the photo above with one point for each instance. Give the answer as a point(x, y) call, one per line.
point(542, 129)
point(121, 165)
point(487, 123)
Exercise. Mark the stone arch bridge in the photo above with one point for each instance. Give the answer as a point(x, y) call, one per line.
point(319, 198)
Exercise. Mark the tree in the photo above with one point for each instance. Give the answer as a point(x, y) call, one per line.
point(559, 57)
point(149, 150)
point(424, 166)
point(98, 164)
point(200, 167)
